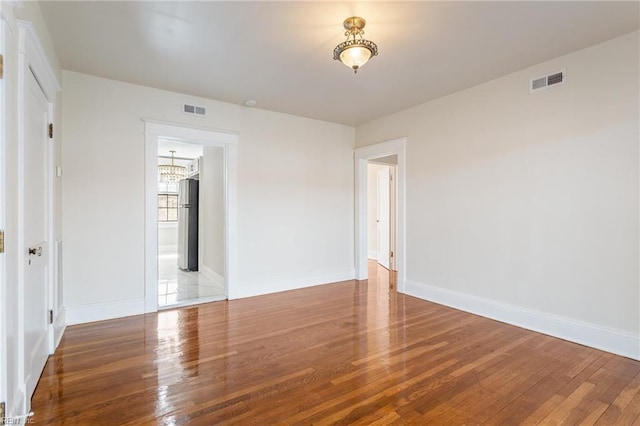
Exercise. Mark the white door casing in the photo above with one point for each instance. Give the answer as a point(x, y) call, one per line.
point(155, 130)
point(361, 157)
point(383, 219)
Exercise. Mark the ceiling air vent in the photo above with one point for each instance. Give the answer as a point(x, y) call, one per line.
point(546, 81)
point(539, 83)
point(193, 109)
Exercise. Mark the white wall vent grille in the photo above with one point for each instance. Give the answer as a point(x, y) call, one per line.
point(193, 109)
point(540, 83)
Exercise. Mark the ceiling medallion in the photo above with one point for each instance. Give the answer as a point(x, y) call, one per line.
point(355, 52)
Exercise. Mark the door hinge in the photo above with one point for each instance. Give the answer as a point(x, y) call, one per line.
point(1, 241)
point(1, 67)
point(391, 254)
point(51, 316)
point(50, 130)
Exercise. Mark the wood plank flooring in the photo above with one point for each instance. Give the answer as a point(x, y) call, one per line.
point(352, 353)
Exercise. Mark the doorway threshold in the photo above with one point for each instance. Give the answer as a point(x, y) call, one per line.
point(191, 302)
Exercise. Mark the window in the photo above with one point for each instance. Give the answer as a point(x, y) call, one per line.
point(167, 207)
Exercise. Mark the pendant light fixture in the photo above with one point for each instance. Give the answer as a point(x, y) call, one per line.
point(355, 51)
point(170, 173)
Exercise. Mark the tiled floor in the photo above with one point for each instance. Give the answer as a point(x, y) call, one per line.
point(180, 288)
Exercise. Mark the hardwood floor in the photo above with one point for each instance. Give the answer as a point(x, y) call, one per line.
point(354, 352)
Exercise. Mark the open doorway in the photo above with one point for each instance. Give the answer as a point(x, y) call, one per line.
point(391, 155)
point(190, 223)
point(206, 162)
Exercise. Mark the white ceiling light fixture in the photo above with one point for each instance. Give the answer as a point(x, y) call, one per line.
point(354, 52)
point(170, 173)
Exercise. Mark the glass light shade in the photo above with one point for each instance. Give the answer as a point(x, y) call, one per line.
point(355, 56)
point(355, 51)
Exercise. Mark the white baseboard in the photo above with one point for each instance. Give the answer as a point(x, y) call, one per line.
point(588, 334)
point(211, 275)
point(373, 254)
point(277, 284)
point(80, 314)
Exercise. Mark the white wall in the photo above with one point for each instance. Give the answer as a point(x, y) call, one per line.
point(372, 209)
point(212, 213)
point(295, 193)
point(524, 207)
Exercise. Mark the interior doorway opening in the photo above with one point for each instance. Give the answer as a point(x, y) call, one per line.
point(191, 216)
point(391, 154)
point(210, 159)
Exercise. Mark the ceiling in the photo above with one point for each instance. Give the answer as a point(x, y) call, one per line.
point(280, 53)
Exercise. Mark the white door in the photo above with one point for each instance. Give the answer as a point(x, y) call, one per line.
point(35, 233)
point(3, 297)
point(383, 217)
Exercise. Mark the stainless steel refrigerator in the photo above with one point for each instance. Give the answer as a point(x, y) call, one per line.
point(188, 225)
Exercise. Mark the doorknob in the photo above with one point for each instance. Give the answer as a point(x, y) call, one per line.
point(35, 251)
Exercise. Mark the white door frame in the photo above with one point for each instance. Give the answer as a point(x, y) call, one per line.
point(155, 130)
point(362, 157)
point(32, 59)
